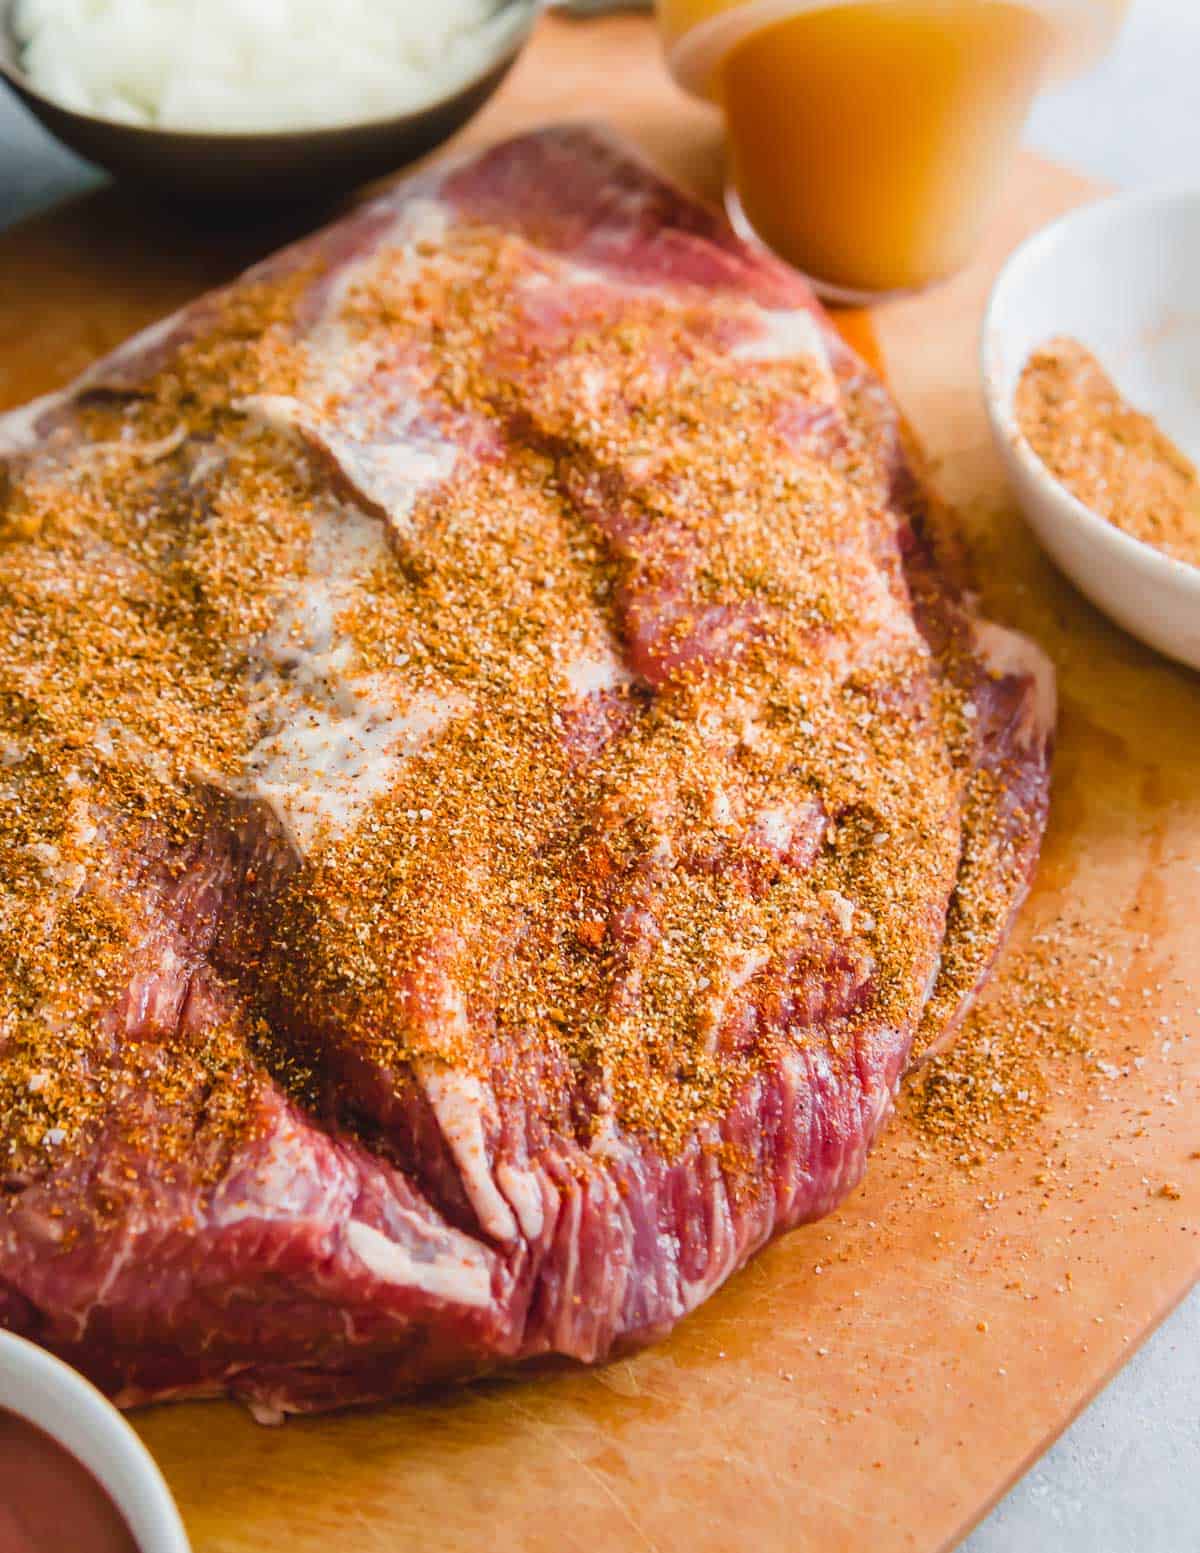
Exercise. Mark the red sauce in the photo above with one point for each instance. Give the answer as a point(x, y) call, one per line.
point(49, 1501)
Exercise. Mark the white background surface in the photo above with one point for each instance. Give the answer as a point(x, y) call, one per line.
point(1126, 1477)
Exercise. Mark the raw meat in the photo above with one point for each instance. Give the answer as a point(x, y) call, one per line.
point(498, 784)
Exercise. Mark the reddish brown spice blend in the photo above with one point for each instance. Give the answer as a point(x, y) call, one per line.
point(1114, 458)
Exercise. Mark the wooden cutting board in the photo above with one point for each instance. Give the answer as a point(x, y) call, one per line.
point(879, 1379)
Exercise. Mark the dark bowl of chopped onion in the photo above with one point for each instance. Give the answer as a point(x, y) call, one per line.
point(270, 166)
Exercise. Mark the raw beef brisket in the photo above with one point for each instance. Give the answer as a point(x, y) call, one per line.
point(497, 786)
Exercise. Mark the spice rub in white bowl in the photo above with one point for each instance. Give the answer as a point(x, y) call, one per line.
point(1122, 278)
point(1115, 459)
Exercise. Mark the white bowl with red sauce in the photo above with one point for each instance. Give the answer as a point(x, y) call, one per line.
point(1122, 277)
point(111, 1496)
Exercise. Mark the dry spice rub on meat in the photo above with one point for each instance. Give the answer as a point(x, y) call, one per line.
point(496, 787)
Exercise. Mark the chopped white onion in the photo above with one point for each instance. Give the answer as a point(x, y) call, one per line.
point(253, 64)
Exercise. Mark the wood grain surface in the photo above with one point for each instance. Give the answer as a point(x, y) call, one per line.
point(878, 1380)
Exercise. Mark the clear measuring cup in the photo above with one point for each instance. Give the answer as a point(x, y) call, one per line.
point(868, 139)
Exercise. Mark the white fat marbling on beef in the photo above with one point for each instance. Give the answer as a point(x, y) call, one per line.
point(421, 221)
point(333, 737)
point(457, 1273)
point(389, 466)
point(594, 673)
point(842, 909)
point(388, 458)
point(720, 808)
point(786, 334)
point(524, 1193)
point(145, 452)
point(394, 474)
point(322, 766)
point(566, 275)
point(1008, 654)
point(279, 412)
point(462, 1105)
point(339, 356)
point(285, 1183)
point(724, 983)
point(884, 627)
point(724, 1253)
point(775, 828)
point(19, 428)
point(419, 225)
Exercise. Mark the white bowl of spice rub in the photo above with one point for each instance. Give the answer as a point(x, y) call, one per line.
point(73, 1475)
point(1091, 361)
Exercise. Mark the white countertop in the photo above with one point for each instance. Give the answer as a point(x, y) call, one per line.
point(1135, 118)
point(1125, 1478)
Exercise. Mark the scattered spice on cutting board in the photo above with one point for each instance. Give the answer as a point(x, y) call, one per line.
point(1054, 1010)
point(1111, 456)
point(989, 1090)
